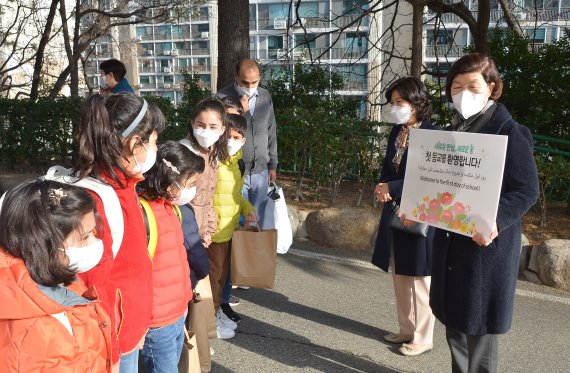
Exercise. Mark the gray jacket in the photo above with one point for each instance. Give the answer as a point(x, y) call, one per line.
point(260, 149)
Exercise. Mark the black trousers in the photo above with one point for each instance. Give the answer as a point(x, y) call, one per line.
point(473, 353)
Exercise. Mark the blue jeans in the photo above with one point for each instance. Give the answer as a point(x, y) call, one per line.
point(227, 290)
point(162, 348)
point(129, 363)
point(255, 189)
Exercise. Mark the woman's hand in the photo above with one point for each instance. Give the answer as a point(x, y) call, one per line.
point(382, 193)
point(251, 217)
point(486, 241)
point(407, 223)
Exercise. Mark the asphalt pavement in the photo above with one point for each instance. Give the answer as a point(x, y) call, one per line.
point(328, 313)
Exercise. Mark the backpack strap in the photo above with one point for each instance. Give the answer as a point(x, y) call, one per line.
point(177, 211)
point(150, 225)
point(111, 203)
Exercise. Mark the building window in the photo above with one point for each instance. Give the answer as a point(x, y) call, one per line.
point(536, 35)
point(203, 27)
point(275, 42)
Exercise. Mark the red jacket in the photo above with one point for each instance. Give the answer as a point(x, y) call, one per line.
point(126, 280)
point(170, 271)
point(31, 340)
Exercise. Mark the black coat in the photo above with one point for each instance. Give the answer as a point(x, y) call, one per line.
point(412, 254)
point(473, 287)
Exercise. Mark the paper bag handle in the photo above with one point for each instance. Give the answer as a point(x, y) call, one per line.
point(248, 226)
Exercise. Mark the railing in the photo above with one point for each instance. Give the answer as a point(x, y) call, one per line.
point(445, 50)
point(200, 51)
point(348, 53)
point(355, 85)
point(352, 20)
point(521, 14)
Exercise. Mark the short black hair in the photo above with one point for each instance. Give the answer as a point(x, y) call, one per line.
point(231, 102)
point(174, 163)
point(36, 218)
point(115, 67)
point(236, 122)
point(415, 92)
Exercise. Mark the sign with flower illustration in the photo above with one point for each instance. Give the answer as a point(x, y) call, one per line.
point(453, 180)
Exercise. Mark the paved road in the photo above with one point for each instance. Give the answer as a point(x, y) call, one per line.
point(324, 316)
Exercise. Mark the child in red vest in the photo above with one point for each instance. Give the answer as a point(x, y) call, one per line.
point(171, 182)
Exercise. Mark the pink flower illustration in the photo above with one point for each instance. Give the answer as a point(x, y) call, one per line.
point(422, 217)
point(447, 216)
point(458, 208)
point(446, 198)
point(432, 218)
point(434, 205)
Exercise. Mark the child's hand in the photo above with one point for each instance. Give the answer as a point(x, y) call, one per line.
point(251, 217)
point(207, 241)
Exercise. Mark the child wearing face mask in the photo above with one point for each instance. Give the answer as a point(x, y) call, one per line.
point(207, 138)
point(51, 322)
point(117, 143)
point(170, 183)
point(229, 203)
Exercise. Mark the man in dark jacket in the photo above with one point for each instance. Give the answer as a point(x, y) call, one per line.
point(113, 78)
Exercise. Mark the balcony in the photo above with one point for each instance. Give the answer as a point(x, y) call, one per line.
point(353, 20)
point(445, 50)
point(521, 14)
point(355, 85)
point(349, 53)
point(200, 51)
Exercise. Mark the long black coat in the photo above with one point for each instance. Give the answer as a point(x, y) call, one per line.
point(473, 287)
point(412, 254)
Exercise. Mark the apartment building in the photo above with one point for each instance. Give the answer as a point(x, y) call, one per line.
point(325, 32)
point(163, 52)
point(447, 36)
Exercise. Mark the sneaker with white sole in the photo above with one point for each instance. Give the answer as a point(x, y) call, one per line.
point(234, 301)
point(223, 321)
point(224, 333)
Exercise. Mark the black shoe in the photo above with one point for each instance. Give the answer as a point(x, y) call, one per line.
point(230, 313)
point(234, 301)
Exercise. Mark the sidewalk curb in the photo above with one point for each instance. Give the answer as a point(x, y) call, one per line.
point(368, 265)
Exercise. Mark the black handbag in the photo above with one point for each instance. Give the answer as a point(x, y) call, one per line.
point(417, 229)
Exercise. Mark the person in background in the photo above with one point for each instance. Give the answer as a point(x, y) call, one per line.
point(229, 204)
point(50, 321)
point(117, 144)
point(409, 255)
point(112, 79)
point(167, 185)
point(260, 149)
point(474, 279)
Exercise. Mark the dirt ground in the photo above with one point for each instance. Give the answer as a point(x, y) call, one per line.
point(558, 223)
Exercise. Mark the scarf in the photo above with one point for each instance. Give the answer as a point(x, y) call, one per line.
point(402, 141)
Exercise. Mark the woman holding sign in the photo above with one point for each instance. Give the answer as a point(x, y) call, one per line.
point(474, 279)
point(411, 258)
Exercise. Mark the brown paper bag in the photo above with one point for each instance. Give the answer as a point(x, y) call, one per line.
point(189, 359)
point(202, 322)
point(253, 257)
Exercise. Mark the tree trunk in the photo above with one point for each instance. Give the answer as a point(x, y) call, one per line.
point(38, 65)
point(233, 38)
point(417, 33)
point(483, 19)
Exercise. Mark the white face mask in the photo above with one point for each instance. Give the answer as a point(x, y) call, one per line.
point(82, 259)
point(186, 195)
point(205, 137)
point(150, 160)
point(234, 146)
point(246, 91)
point(103, 82)
point(468, 103)
point(400, 114)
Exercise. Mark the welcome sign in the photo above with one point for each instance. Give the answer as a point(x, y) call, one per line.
point(453, 180)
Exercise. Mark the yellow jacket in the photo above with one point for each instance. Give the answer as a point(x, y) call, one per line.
point(229, 203)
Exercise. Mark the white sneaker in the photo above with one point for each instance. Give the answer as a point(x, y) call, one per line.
point(223, 321)
point(225, 333)
point(243, 287)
